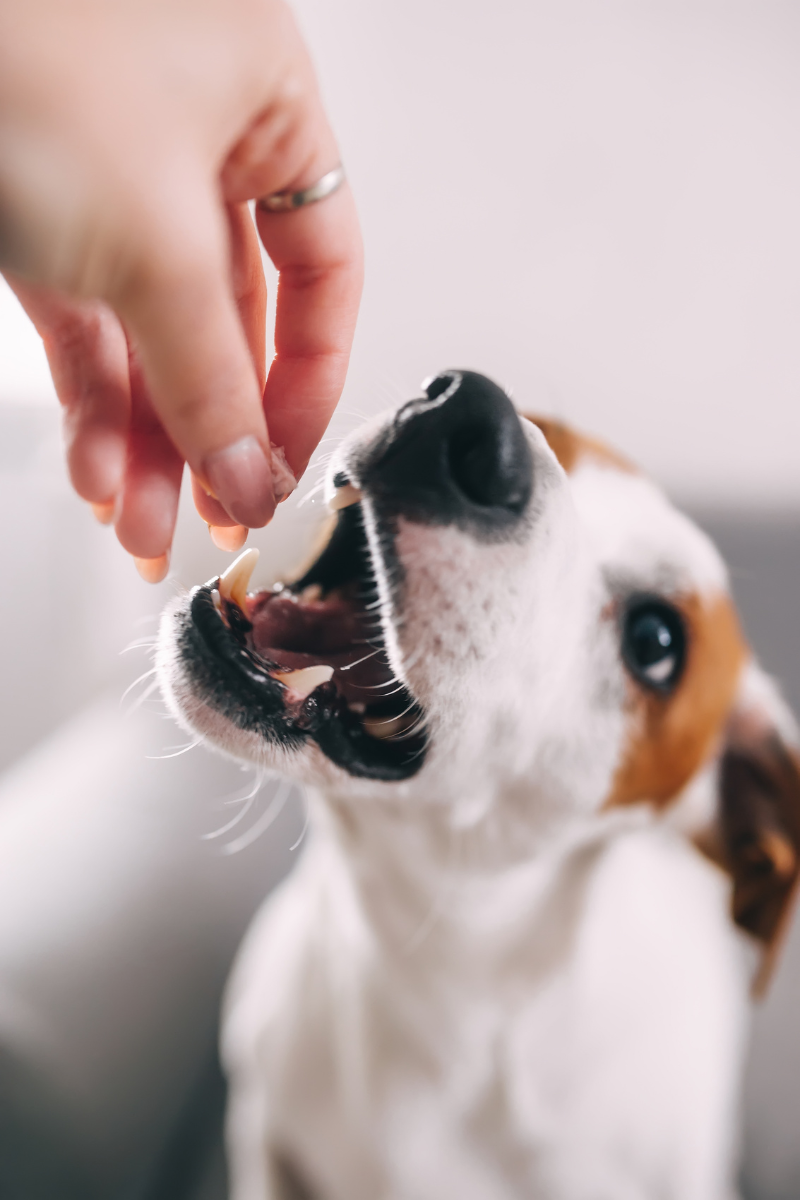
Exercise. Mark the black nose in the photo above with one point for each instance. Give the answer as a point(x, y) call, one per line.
point(457, 456)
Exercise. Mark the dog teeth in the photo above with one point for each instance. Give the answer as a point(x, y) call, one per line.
point(388, 727)
point(310, 594)
point(303, 682)
point(234, 583)
point(343, 497)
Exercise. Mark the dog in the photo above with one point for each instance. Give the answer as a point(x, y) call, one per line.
point(554, 825)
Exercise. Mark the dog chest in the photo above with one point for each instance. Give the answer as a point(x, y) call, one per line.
point(601, 1051)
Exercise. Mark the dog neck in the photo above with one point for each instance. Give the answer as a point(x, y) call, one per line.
point(432, 893)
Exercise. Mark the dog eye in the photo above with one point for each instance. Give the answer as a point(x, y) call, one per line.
point(654, 644)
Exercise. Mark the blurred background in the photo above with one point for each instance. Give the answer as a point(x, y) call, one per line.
point(595, 204)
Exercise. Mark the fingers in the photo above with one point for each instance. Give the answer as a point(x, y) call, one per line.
point(88, 357)
point(249, 286)
point(180, 308)
point(118, 455)
point(224, 532)
point(229, 538)
point(317, 251)
point(148, 504)
point(209, 509)
point(250, 294)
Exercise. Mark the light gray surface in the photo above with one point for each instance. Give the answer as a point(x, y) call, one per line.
point(118, 922)
point(764, 558)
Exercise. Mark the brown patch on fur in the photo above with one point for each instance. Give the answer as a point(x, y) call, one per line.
point(756, 838)
point(571, 448)
point(673, 735)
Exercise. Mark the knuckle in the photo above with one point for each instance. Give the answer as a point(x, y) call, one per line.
point(76, 333)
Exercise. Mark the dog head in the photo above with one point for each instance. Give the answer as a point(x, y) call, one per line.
point(506, 618)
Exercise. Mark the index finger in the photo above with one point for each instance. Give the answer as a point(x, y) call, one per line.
point(318, 254)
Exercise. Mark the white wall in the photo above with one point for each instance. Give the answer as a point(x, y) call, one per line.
point(595, 202)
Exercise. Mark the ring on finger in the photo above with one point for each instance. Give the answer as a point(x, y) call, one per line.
point(288, 201)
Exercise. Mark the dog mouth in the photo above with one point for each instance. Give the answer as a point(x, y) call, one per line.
point(307, 659)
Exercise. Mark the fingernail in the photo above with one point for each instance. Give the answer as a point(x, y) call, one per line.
point(283, 480)
point(153, 570)
point(228, 537)
point(242, 482)
point(105, 512)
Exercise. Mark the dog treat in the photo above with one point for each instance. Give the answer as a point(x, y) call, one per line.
point(283, 480)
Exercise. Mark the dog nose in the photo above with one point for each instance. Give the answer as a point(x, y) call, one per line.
point(458, 455)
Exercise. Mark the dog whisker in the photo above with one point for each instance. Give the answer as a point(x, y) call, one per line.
point(260, 780)
point(306, 819)
point(413, 659)
point(274, 809)
point(359, 661)
point(316, 490)
point(248, 802)
point(141, 678)
point(144, 620)
point(372, 687)
point(177, 751)
point(141, 700)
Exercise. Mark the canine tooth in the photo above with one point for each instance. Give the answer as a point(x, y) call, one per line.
point(343, 497)
point(233, 584)
point(310, 594)
point(304, 681)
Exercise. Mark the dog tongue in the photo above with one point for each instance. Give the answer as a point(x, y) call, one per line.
point(312, 635)
point(317, 628)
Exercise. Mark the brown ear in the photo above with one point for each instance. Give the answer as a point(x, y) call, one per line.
point(759, 816)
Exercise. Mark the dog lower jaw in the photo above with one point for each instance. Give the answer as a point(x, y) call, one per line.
point(225, 689)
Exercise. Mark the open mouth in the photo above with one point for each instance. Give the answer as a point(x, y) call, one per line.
point(306, 659)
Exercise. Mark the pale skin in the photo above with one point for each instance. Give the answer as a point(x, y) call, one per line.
point(131, 136)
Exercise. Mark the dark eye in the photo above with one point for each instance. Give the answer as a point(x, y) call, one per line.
point(654, 643)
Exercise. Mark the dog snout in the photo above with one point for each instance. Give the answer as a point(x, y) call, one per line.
point(458, 456)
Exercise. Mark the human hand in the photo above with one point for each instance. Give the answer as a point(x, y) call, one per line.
point(130, 136)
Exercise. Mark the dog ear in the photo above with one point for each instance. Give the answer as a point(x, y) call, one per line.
point(759, 814)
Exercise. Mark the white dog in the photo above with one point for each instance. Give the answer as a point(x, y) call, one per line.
point(555, 819)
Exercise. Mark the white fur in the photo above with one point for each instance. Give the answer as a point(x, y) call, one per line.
point(479, 983)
